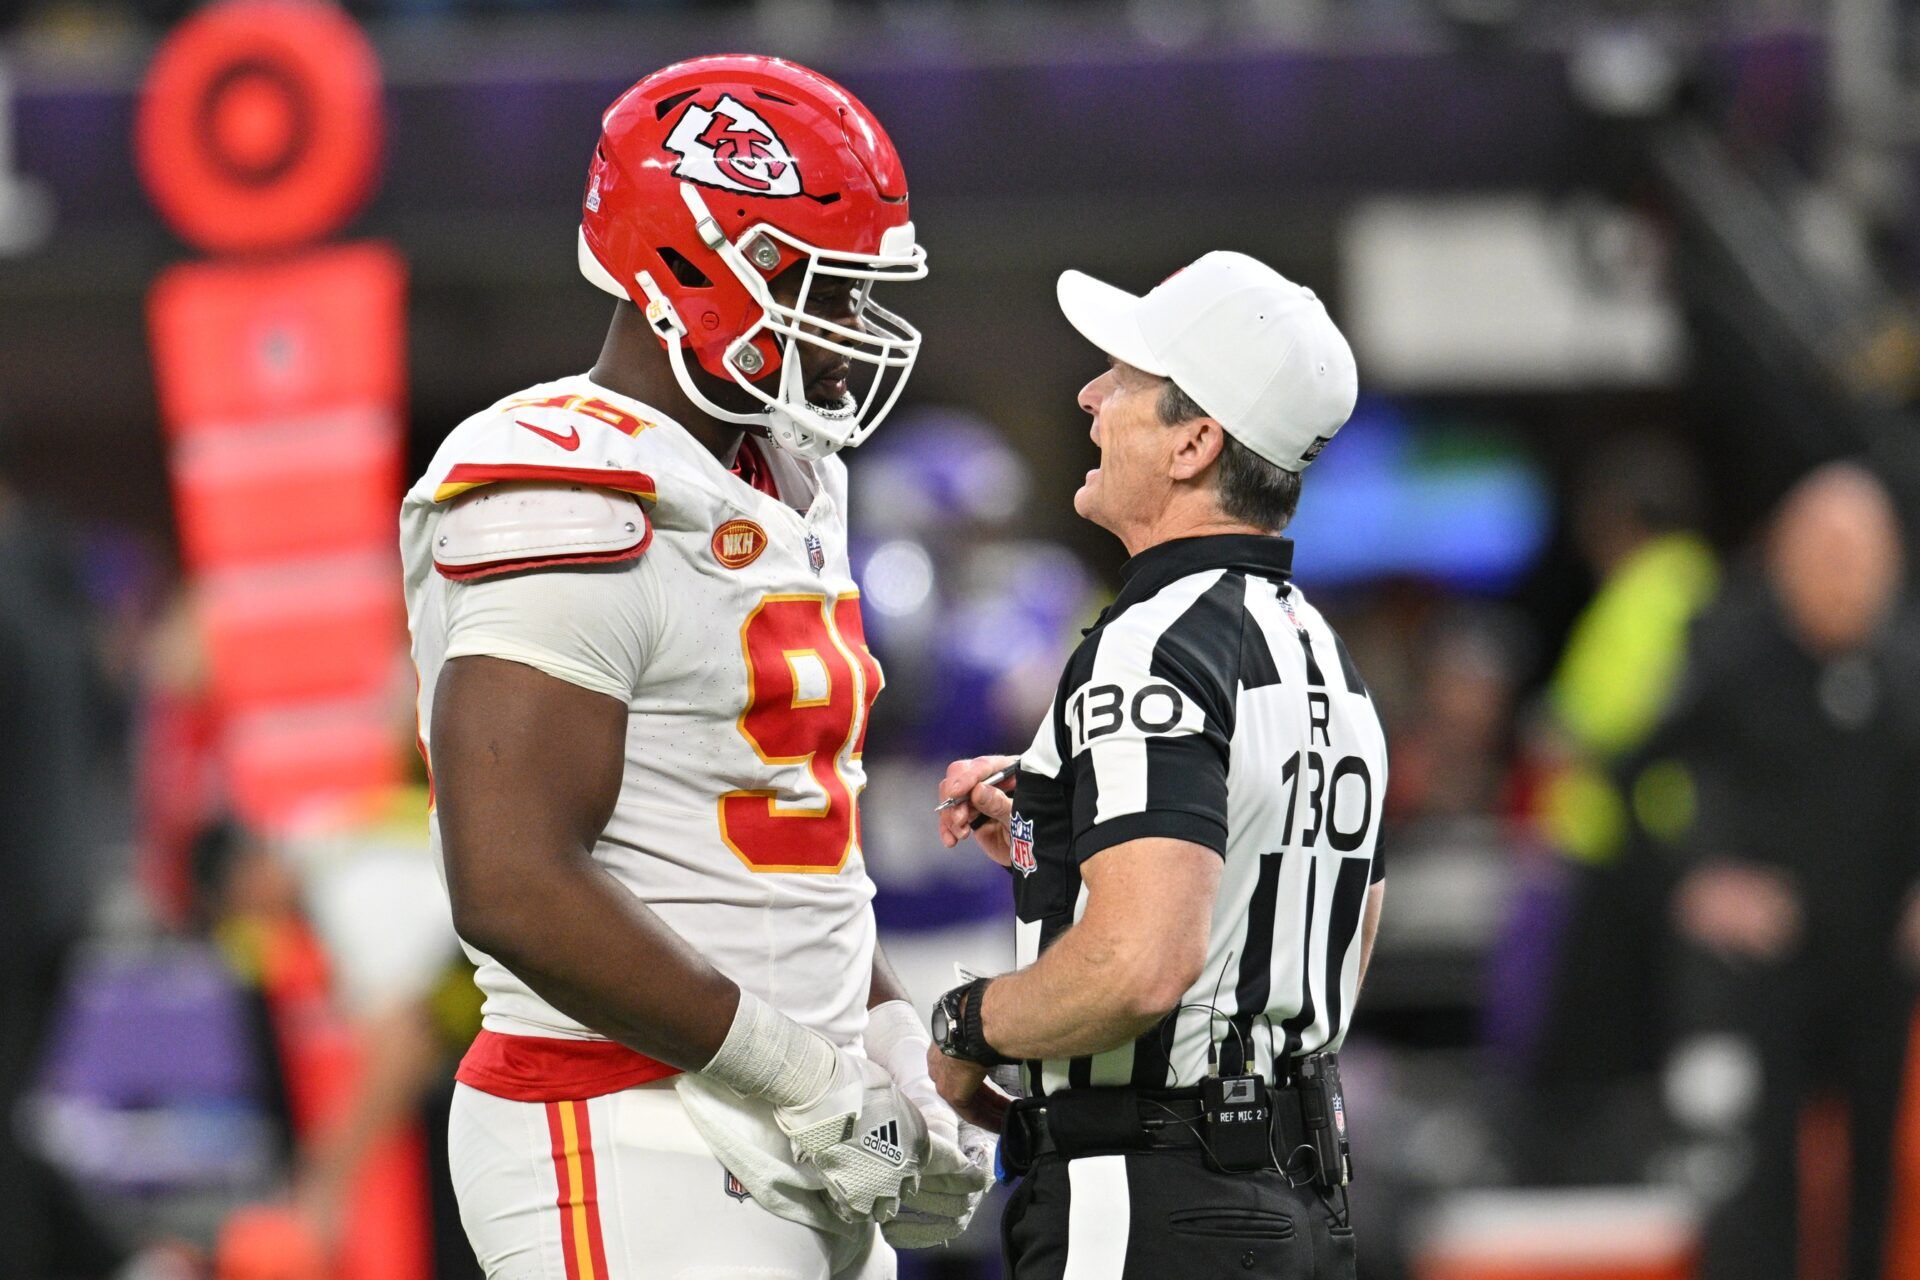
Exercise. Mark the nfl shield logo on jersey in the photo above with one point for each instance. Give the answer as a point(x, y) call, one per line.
point(735, 1188)
point(1023, 845)
point(816, 552)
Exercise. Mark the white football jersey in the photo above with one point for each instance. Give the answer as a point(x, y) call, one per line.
point(734, 638)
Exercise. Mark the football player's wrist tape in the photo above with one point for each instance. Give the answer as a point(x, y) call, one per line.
point(895, 1020)
point(768, 1055)
point(959, 1157)
point(898, 1041)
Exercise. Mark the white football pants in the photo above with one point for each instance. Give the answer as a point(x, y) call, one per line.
point(622, 1187)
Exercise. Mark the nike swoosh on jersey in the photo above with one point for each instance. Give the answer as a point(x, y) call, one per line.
point(569, 442)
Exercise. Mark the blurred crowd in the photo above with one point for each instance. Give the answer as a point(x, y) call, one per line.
point(161, 12)
point(1678, 873)
point(1652, 919)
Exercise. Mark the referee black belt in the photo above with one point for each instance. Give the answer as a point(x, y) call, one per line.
point(1113, 1121)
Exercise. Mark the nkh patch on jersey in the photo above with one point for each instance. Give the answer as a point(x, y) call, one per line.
point(738, 543)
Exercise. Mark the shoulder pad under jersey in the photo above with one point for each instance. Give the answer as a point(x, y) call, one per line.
point(512, 525)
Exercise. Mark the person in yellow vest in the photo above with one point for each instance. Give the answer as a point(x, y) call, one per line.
point(1636, 523)
point(1585, 1054)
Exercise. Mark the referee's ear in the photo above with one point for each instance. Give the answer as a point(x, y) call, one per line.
point(1197, 445)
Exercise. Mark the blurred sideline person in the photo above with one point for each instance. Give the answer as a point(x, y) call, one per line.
point(50, 713)
point(1192, 831)
point(1799, 722)
point(395, 970)
point(381, 1016)
point(1636, 518)
point(1610, 809)
point(644, 689)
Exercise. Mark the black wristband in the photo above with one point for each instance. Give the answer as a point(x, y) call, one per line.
point(956, 1026)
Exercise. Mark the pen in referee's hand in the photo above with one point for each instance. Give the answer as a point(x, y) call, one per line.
point(987, 781)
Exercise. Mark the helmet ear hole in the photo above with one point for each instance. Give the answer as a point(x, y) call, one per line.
point(667, 104)
point(683, 271)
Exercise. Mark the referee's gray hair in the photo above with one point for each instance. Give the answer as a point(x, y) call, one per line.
point(1251, 488)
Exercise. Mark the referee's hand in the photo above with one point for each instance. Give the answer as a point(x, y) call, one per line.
point(964, 1086)
point(965, 781)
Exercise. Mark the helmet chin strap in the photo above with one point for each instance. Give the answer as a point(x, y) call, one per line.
point(785, 424)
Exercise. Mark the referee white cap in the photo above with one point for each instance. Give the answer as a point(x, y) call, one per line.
point(1255, 350)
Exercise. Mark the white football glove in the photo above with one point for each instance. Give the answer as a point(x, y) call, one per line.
point(952, 1185)
point(865, 1137)
point(841, 1112)
point(959, 1165)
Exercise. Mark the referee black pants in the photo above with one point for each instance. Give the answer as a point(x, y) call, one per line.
point(1158, 1215)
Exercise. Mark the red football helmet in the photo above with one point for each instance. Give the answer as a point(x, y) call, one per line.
point(714, 175)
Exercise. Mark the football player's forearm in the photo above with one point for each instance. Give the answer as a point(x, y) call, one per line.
point(885, 984)
point(598, 955)
point(528, 769)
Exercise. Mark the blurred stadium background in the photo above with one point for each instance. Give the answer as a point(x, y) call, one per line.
point(1620, 533)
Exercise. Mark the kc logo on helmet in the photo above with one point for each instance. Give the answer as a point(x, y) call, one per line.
point(1023, 845)
point(729, 146)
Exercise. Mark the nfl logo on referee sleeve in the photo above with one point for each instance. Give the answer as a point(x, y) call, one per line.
point(1023, 845)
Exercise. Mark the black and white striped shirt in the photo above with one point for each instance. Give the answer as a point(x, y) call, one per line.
point(1212, 703)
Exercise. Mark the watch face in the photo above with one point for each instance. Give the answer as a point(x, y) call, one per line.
point(942, 1025)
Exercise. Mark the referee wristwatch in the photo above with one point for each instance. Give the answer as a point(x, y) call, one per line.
point(956, 1026)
